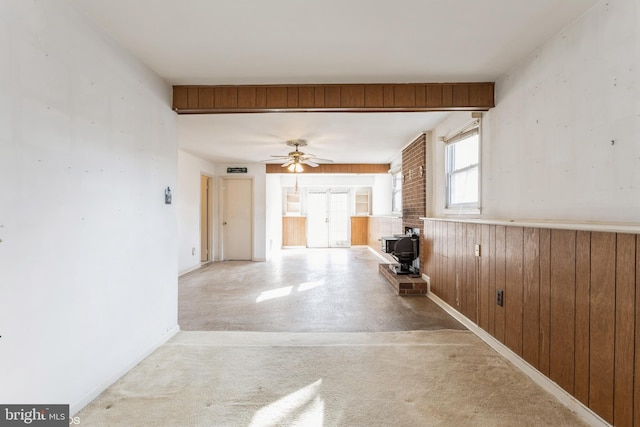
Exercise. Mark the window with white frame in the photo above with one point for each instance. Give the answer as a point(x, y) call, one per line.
point(396, 193)
point(462, 159)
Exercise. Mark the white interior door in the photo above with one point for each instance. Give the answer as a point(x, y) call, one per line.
point(237, 218)
point(328, 220)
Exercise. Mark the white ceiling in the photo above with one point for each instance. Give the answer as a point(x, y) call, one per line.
point(342, 137)
point(325, 41)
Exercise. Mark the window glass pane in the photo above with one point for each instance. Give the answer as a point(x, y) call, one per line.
point(339, 218)
point(464, 186)
point(396, 194)
point(396, 202)
point(397, 182)
point(465, 152)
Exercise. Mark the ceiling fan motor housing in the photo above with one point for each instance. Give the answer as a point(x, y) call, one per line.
point(297, 143)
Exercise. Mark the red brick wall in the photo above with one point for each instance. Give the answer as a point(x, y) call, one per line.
point(414, 196)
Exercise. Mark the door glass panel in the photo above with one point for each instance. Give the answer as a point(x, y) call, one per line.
point(339, 219)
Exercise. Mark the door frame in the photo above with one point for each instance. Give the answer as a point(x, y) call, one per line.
point(221, 208)
point(208, 221)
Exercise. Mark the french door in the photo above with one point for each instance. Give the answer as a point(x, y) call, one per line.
point(328, 219)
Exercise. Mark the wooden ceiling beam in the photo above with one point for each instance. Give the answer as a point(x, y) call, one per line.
point(405, 97)
point(335, 168)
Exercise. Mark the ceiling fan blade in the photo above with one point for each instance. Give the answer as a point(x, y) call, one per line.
point(287, 163)
point(311, 156)
point(318, 159)
point(279, 157)
point(310, 163)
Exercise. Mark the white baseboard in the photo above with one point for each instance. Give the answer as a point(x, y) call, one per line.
point(428, 280)
point(379, 255)
point(189, 270)
point(582, 411)
point(75, 407)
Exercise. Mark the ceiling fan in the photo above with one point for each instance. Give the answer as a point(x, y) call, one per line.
point(296, 158)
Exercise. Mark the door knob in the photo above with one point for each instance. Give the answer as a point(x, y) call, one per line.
point(224, 223)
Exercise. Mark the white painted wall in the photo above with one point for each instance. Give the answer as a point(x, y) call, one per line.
point(563, 142)
point(88, 263)
point(273, 222)
point(381, 194)
point(187, 200)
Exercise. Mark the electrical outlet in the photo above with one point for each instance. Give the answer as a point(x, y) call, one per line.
point(193, 251)
point(500, 297)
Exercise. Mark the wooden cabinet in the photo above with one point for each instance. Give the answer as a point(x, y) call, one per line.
point(359, 230)
point(294, 231)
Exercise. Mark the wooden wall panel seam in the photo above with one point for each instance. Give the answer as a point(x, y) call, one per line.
point(624, 329)
point(602, 324)
point(492, 280)
point(562, 338)
point(545, 300)
point(531, 297)
point(636, 369)
point(500, 332)
point(514, 253)
point(582, 328)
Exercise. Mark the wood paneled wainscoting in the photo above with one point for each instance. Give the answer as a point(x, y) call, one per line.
point(294, 231)
point(380, 226)
point(359, 230)
point(571, 304)
point(365, 230)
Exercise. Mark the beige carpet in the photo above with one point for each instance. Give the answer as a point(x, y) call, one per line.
point(421, 378)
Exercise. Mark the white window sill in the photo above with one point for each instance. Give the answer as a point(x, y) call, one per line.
point(461, 211)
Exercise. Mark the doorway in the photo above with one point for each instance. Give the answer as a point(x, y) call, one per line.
point(236, 200)
point(328, 221)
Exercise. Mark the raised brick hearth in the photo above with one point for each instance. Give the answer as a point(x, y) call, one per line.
point(403, 284)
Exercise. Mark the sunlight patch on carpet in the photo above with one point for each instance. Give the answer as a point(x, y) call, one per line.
point(274, 293)
point(302, 407)
point(310, 285)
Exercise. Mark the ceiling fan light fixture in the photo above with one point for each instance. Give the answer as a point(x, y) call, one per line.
point(295, 167)
point(295, 159)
